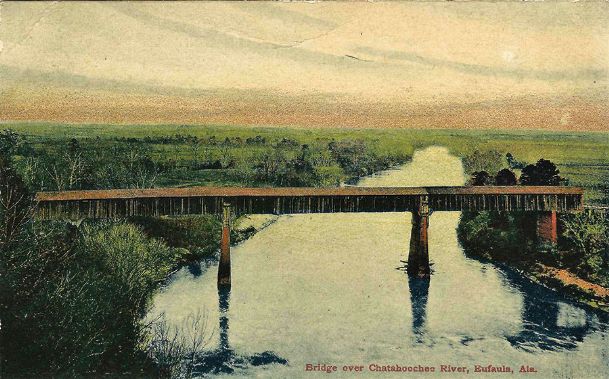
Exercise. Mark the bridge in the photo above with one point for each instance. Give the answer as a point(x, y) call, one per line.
point(546, 201)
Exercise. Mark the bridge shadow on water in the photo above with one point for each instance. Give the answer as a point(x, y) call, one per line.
point(224, 359)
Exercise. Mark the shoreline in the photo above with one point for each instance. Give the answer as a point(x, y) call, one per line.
point(560, 281)
point(568, 284)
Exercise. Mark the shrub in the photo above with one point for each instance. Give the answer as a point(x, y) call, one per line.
point(200, 234)
point(587, 236)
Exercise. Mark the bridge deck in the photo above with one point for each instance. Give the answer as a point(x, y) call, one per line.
point(202, 200)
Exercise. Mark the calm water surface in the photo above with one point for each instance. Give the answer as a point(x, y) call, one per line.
point(329, 289)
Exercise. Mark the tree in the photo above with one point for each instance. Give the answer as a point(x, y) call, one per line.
point(15, 203)
point(351, 156)
point(10, 143)
point(513, 163)
point(543, 173)
point(505, 177)
point(481, 178)
point(489, 161)
point(588, 232)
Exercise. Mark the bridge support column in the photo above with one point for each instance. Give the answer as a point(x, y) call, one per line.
point(547, 227)
point(224, 265)
point(418, 257)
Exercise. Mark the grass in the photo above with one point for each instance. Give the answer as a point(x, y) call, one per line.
point(583, 157)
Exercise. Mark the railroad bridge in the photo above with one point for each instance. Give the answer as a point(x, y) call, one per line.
point(546, 201)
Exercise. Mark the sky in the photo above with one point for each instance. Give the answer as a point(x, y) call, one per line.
point(461, 65)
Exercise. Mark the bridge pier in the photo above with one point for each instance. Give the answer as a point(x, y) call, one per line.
point(418, 257)
point(547, 227)
point(224, 264)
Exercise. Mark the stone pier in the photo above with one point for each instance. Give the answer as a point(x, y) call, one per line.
point(418, 257)
point(547, 227)
point(224, 265)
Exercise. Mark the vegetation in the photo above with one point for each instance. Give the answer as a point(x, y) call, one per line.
point(195, 236)
point(585, 249)
point(184, 160)
point(510, 237)
point(582, 157)
point(73, 295)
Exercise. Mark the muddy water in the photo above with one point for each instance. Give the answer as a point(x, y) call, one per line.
point(330, 289)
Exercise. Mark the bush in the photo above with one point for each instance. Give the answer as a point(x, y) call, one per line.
point(72, 296)
point(505, 236)
point(199, 234)
point(587, 237)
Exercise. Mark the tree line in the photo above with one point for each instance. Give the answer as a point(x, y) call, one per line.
point(96, 163)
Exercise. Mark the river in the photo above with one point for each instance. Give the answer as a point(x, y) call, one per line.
point(331, 289)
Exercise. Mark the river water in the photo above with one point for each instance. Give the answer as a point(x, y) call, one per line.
point(331, 289)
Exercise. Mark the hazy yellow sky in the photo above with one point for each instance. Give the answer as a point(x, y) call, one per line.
point(322, 64)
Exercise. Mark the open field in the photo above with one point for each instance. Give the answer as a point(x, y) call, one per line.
point(583, 157)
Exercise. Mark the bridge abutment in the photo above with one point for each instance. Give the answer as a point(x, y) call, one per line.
point(224, 279)
point(547, 230)
point(418, 257)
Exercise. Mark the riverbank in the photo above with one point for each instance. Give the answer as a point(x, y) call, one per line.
point(510, 240)
point(566, 282)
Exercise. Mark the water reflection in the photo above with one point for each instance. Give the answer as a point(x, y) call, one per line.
point(224, 359)
point(223, 301)
point(419, 293)
point(195, 269)
point(543, 318)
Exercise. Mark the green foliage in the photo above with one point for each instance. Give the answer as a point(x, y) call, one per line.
point(328, 176)
point(510, 237)
point(504, 236)
point(543, 173)
point(277, 169)
point(513, 163)
point(178, 160)
point(587, 235)
point(72, 165)
point(72, 295)
point(198, 234)
point(480, 178)
point(583, 157)
point(74, 298)
point(489, 161)
point(11, 143)
point(506, 177)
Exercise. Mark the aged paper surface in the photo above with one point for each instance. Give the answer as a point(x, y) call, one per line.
point(304, 189)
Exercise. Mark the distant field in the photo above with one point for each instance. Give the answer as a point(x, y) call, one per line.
point(583, 158)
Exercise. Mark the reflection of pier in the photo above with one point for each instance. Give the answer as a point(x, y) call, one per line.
point(419, 293)
point(548, 321)
point(546, 200)
point(224, 359)
point(223, 302)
